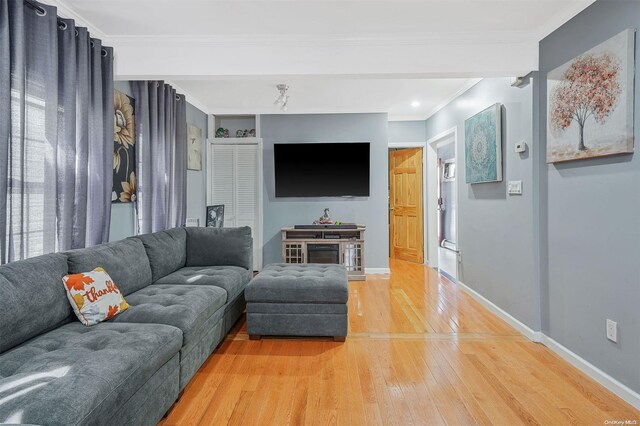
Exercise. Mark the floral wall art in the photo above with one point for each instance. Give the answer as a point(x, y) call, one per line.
point(590, 102)
point(124, 153)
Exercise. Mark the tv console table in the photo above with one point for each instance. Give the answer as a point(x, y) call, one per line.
point(326, 245)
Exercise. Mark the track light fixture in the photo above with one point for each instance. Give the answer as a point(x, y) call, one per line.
point(283, 99)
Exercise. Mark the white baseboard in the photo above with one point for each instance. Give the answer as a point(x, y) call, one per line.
point(620, 389)
point(377, 271)
point(623, 391)
point(527, 331)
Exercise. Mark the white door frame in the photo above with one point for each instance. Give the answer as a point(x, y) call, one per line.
point(423, 145)
point(444, 138)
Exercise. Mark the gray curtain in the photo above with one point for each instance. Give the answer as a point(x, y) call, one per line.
point(161, 152)
point(56, 133)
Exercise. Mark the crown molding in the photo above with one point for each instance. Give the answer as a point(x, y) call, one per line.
point(193, 100)
point(562, 17)
point(67, 12)
point(457, 37)
point(453, 96)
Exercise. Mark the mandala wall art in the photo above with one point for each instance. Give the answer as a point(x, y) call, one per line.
point(590, 102)
point(483, 146)
point(124, 153)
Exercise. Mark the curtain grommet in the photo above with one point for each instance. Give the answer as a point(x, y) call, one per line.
point(41, 11)
point(62, 26)
point(105, 53)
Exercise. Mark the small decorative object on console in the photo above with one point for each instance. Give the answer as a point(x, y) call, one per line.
point(325, 219)
point(239, 133)
point(220, 132)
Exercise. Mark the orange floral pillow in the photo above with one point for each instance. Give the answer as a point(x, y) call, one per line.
point(94, 296)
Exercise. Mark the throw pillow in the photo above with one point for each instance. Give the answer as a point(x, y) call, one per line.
point(94, 296)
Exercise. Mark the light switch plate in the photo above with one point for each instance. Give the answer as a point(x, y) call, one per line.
point(612, 330)
point(515, 187)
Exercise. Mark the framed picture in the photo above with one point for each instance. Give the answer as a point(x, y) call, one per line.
point(215, 216)
point(483, 146)
point(590, 102)
point(194, 147)
point(449, 170)
point(124, 152)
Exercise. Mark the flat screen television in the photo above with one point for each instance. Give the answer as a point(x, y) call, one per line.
point(321, 169)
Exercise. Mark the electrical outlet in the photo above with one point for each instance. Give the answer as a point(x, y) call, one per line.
point(612, 330)
point(193, 221)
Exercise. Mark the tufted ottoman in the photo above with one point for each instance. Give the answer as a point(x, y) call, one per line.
point(298, 300)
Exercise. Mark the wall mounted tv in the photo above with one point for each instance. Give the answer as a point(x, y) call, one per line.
point(321, 169)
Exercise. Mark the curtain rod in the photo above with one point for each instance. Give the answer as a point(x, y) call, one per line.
point(61, 24)
point(35, 6)
point(42, 12)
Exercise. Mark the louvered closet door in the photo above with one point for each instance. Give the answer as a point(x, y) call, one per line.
point(246, 194)
point(235, 183)
point(223, 181)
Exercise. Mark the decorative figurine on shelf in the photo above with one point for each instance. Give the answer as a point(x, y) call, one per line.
point(226, 133)
point(245, 134)
point(252, 133)
point(220, 132)
point(239, 133)
point(325, 219)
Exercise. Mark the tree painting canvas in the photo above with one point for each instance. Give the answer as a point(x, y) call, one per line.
point(483, 146)
point(590, 102)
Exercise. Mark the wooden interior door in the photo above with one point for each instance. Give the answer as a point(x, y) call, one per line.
point(405, 205)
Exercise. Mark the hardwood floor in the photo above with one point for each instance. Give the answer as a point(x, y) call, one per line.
point(419, 351)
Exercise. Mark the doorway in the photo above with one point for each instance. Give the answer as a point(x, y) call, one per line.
point(447, 209)
point(406, 213)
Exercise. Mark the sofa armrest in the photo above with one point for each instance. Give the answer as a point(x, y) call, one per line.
point(220, 247)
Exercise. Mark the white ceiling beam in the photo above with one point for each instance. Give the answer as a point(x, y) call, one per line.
point(184, 58)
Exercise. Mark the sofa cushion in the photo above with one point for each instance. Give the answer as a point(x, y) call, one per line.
point(72, 372)
point(167, 251)
point(126, 262)
point(186, 307)
point(307, 283)
point(219, 247)
point(32, 299)
point(233, 279)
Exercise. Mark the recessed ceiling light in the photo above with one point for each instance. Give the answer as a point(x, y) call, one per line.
point(415, 104)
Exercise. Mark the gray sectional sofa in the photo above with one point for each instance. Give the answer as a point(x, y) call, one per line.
point(186, 290)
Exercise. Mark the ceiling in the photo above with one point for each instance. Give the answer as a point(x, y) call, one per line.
point(328, 95)
point(337, 56)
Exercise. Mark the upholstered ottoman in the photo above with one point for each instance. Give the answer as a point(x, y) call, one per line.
point(298, 300)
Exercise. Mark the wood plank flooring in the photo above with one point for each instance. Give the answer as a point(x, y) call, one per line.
point(420, 351)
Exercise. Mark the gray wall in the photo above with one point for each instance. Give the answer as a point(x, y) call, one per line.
point(196, 180)
point(495, 231)
point(370, 211)
point(591, 236)
point(406, 131)
point(123, 223)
